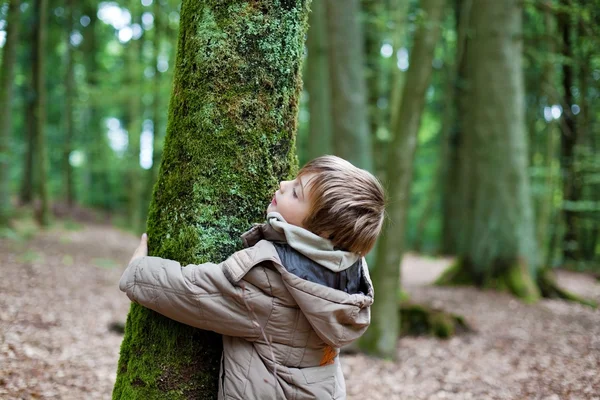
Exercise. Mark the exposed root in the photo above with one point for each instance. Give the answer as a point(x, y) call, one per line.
point(551, 290)
point(417, 319)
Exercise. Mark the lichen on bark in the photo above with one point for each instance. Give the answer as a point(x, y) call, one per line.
point(230, 139)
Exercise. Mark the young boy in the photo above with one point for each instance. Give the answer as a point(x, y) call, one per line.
point(298, 292)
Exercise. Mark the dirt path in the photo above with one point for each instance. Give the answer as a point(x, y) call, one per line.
point(59, 294)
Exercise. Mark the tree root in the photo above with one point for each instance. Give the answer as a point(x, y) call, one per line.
point(417, 319)
point(551, 290)
point(515, 279)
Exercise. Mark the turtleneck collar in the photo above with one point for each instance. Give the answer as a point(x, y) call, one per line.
point(318, 249)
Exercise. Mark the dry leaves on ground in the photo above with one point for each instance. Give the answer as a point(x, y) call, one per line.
point(60, 295)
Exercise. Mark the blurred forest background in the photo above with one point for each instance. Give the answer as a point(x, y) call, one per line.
point(86, 88)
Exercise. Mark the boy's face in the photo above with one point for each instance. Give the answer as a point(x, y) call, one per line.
point(292, 200)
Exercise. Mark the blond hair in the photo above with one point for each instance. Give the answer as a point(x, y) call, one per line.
point(347, 204)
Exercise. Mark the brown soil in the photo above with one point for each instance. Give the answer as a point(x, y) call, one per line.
point(59, 296)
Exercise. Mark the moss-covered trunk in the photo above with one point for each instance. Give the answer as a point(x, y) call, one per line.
point(6, 85)
point(230, 138)
point(351, 138)
point(381, 337)
point(496, 243)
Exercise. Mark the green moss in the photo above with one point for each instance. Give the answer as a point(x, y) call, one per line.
point(230, 140)
point(418, 320)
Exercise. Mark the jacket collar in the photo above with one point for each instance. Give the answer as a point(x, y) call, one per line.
point(318, 249)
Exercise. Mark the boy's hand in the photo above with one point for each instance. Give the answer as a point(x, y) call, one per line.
point(142, 250)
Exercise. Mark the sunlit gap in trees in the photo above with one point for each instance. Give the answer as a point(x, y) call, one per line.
point(387, 50)
point(118, 141)
point(112, 13)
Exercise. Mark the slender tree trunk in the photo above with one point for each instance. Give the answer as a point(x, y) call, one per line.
point(28, 181)
point(157, 126)
point(374, 28)
point(382, 335)
point(134, 131)
point(317, 83)
point(351, 138)
point(230, 139)
point(41, 162)
point(498, 246)
point(448, 173)
point(545, 209)
point(98, 193)
point(571, 189)
point(390, 80)
point(69, 96)
point(6, 90)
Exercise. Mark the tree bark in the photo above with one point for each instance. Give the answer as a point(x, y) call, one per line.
point(98, 193)
point(230, 139)
point(381, 337)
point(451, 135)
point(134, 130)
point(351, 137)
point(6, 90)
point(69, 96)
point(317, 83)
point(27, 180)
point(568, 143)
point(497, 245)
point(39, 83)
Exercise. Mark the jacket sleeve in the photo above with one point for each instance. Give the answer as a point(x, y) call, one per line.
point(197, 295)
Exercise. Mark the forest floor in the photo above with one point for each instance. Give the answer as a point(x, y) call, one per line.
point(59, 295)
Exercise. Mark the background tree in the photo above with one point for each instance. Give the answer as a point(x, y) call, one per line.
point(6, 91)
point(493, 127)
point(317, 83)
point(348, 89)
point(69, 190)
point(382, 335)
point(230, 138)
point(39, 83)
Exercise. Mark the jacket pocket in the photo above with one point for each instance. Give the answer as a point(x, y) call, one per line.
point(319, 374)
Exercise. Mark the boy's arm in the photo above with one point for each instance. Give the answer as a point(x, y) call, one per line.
point(197, 295)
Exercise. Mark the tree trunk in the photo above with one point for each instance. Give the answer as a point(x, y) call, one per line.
point(497, 246)
point(98, 193)
point(157, 126)
point(451, 137)
point(27, 180)
point(6, 90)
point(317, 83)
point(69, 96)
point(134, 131)
point(544, 211)
point(39, 83)
point(351, 138)
point(382, 335)
point(230, 139)
point(571, 185)
point(373, 14)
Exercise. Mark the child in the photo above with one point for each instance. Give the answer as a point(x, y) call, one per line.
point(298, 292)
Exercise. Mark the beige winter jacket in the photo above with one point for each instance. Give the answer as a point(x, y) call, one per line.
point(284, 305)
